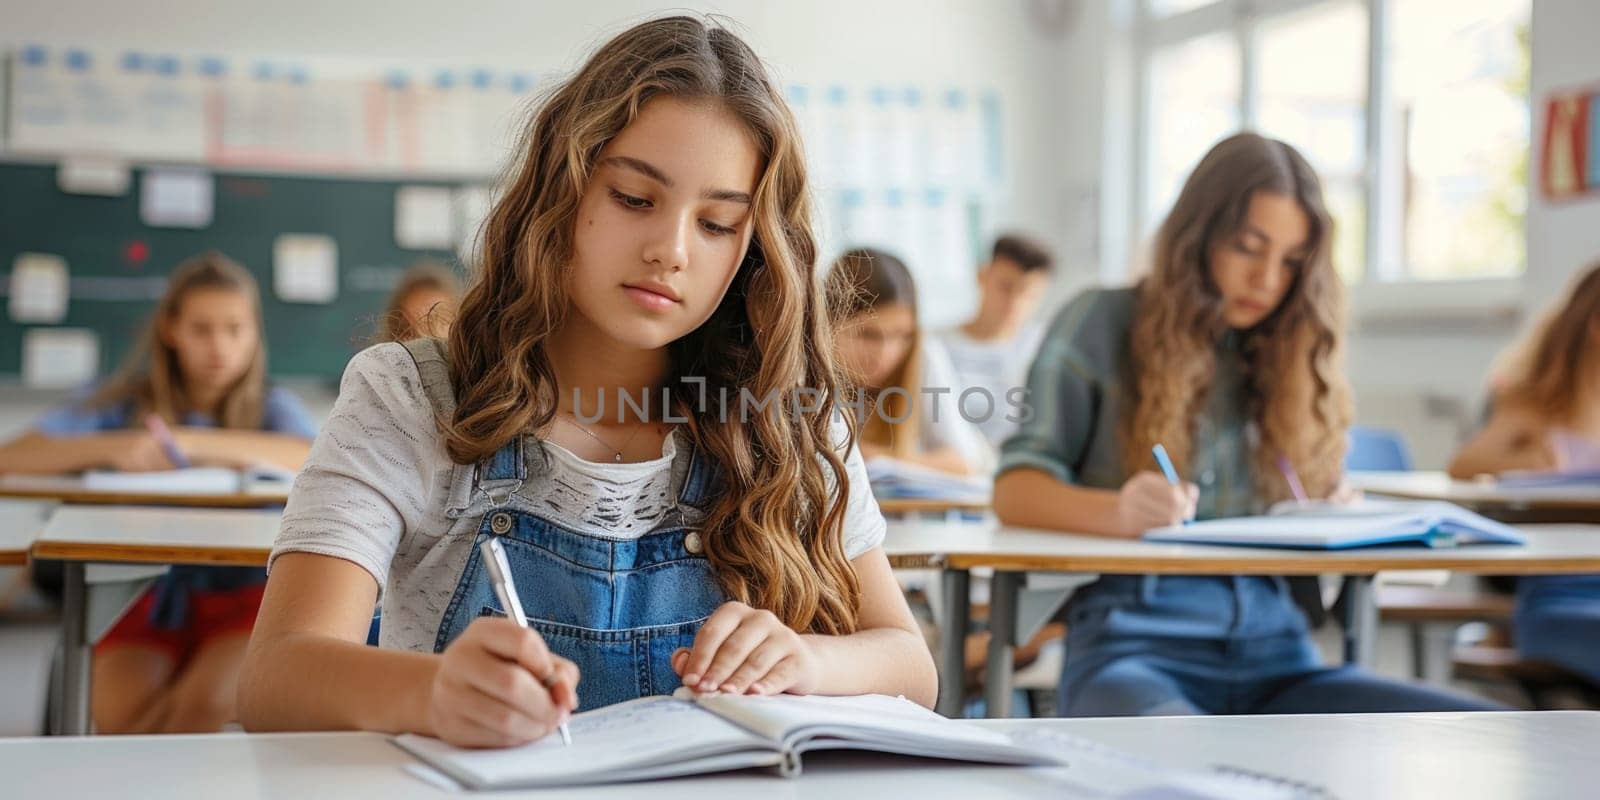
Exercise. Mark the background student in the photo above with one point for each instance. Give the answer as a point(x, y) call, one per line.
point(1545, 415)
point(170, 664)
point(655, 228)
point(992, 350)
point(885, 352)
point(422, 303)
point(1226, 353)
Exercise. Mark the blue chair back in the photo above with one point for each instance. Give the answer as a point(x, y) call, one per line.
point(1376, 450)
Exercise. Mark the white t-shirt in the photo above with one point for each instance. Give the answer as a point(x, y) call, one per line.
point(950, 429)
point(995, 366)
point(379, 490)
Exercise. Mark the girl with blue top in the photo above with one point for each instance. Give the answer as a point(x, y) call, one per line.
point(637, 399)
point(1227, 354)
point(1545, 417)
point(171, 662)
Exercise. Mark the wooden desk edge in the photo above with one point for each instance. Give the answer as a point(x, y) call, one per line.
point(13, 558)
point(146, 554)
point(916, 561)
point(907, 505)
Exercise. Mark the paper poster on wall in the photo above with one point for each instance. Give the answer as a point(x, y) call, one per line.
point(305, 268)
point(1568, 147)
point(423, 218)
point(59, 358)
point(471, 205)
point(39, 287)
point(94, 176)
point(176, 197)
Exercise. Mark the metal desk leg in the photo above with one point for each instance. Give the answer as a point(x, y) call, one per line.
point(75, 655)
point(1361, 621)
point(954, 585)
point(90, 605)
point(1003, 595)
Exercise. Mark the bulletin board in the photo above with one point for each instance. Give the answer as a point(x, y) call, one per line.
point(118, 265)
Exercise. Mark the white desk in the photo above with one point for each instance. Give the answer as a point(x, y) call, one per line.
point(72, 489)
point(1532, 504)
point(20, 524)
point(83, 535)
point(1014, 614)
point(1503, 756)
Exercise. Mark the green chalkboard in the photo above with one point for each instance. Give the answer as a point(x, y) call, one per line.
point(101, 239)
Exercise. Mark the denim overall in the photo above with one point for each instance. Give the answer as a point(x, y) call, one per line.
point(617, 608)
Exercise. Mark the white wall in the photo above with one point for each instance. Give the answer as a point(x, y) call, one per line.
point(932, 42)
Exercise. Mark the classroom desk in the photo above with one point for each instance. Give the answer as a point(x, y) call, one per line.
point(83, 535)
point(70, 489)
point(20, 523)
point(1533, 504)
point(928, 505)
point(1503, 756)
point(957, 549)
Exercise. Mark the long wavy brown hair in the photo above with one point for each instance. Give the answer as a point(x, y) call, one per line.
point(1296, 391)
point(773, 533)
point(865, 279)
point(150, 377)
point(1554, 369)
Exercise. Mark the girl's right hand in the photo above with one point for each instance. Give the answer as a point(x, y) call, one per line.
point(139, 452)
point(491, 687)
point(1148, 501)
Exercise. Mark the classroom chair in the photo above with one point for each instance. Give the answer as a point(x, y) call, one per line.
point(1547, 686)
point(1376, 450)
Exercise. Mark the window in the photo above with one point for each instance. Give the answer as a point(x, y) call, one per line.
point(1458, 119)
point(1418, 126)
point(1312, 85)
point(1198, 83)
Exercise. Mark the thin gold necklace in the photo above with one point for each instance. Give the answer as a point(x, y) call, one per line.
point(616, 451)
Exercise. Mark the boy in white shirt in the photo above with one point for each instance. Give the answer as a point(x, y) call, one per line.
point(992, 350)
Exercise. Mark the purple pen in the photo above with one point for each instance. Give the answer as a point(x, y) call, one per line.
point(1292, 478)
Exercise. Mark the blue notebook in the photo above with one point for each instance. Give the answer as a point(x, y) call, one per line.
point(1363, 524)
point(1570, 479)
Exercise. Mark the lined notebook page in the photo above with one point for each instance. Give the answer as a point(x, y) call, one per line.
point(606, 743)
point(779, 716)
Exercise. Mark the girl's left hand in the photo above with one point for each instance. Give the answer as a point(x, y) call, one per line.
point(1346, 495)
point(744, 650)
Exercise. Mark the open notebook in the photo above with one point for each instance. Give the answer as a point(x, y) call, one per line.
point(1321, 526)
point(892, 478)
point(686, 734)
point(264, 479)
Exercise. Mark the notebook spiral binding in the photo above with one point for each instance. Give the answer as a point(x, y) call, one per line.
point(1299, 789)
point(1310, 791)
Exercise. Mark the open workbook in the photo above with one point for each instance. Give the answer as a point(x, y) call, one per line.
point(263, 479)
point(1322, 526)
point(686, 734)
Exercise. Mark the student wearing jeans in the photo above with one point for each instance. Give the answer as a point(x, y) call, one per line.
point(1227, 355)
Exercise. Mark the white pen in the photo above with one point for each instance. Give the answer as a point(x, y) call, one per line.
point(494, 557)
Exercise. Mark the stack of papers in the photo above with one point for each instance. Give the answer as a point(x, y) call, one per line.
point(896, 479)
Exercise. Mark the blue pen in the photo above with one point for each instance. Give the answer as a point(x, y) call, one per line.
point(1166, 466)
